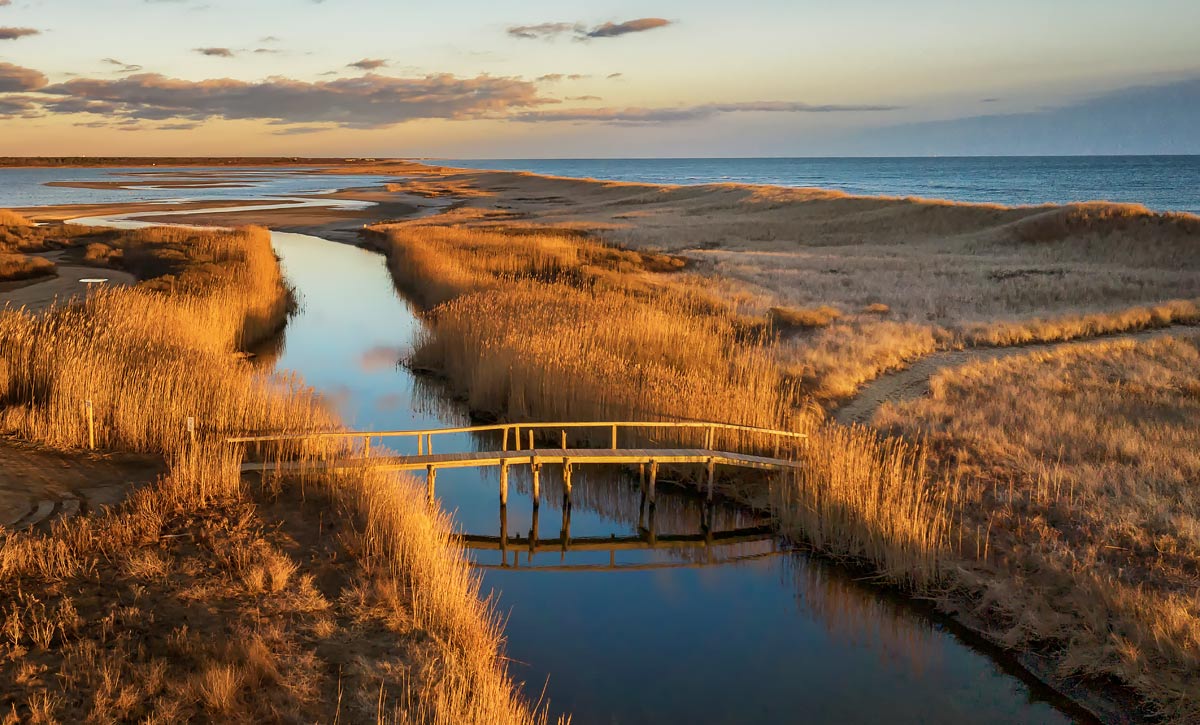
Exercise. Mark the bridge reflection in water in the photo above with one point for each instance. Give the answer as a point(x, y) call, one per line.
point(676, 529)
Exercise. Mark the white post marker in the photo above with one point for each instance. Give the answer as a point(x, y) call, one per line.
point(191, 429)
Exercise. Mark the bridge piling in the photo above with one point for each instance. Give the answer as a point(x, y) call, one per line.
point(536, 472)
point(504, 483)
point(712, 465)
point(653, 480)
point(430, 482)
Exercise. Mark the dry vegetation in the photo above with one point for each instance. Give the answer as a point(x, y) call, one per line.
point(546, 326)
point(540, 322)
point(13, 265)
point(207, 596)
point(873, 282)
point(1082, 464)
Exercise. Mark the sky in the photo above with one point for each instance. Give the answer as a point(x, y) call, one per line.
point(604, 78)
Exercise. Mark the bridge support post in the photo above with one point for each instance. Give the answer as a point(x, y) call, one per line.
point(536, 471)
point(366, 446)
point(430, 483)
point(642, 477)
point(503, 535)
point(708, 438)
point(712, 466)
point(504, 442)
point(653, 480)
point(516, 438)
point(614, 437)
point(503, 484)
point(533, 534)
point(420, 444)
point(567, 480)
point(564, 534)
point(531, 439)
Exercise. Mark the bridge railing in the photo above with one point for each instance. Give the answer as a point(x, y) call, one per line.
point(515, 431)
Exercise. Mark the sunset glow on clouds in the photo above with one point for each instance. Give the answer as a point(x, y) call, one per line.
point(362, 77)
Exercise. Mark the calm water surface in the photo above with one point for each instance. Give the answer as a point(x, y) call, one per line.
point(722, 634)
point(1163, 183)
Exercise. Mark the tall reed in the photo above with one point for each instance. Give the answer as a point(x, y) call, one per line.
point(867, 498)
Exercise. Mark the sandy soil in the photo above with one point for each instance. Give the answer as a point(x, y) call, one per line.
point(37, 485)
point(72, 211)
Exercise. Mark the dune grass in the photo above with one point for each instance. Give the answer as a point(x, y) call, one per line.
point(1081, 465)
point(209, 596)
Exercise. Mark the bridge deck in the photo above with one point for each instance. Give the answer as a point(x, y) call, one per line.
point(538, 456)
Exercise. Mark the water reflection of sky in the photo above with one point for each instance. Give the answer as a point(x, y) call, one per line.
point(26, 187)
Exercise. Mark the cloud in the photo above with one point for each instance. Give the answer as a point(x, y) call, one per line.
point(121, 66)
point(643, 116)
point(215, 52)
point(368, 101)
point(583, 98)
point(17, 78)
point(381, 357)
point(544, 30)
point(579, 31)
point(612, 30)
point(269, 39)
point(12, 106)
point(267, 50)
point(612, 76)
point(368, 64)
point(555, 77)
point(7, 33)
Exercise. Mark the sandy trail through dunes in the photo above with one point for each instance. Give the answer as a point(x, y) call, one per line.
point(913, 382)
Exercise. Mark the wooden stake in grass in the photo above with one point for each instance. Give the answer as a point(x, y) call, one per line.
point(91, 421)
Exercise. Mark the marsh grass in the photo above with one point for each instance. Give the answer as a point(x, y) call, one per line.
point(207, 595)
point(546, 326)
point(601, 343)
point(21, 266)
point(1075, 470)
point(866, 498)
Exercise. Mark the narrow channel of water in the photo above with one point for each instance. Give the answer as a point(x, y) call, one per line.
point(665, 636)
point(721, 633)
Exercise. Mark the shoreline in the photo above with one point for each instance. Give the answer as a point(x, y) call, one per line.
point(429, 167)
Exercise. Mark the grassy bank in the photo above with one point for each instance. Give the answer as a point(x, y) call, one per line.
point(552, 326)
point(206, 595)
point(1082, 464)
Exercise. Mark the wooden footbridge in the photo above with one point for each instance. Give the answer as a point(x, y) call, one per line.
point(714, 439)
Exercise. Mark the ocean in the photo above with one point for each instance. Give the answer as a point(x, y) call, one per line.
point(1162, 183)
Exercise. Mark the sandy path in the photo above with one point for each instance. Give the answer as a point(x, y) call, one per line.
point(913, 381)
point(40, 293)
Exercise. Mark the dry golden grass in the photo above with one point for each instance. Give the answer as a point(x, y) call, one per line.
point(205, 596)
point(527, 336)
point(867, 499)
point(802, 318)
point(529, 331)
point(1081, 467)
point(20, 266)
point(12, 219)
point(967, 273)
